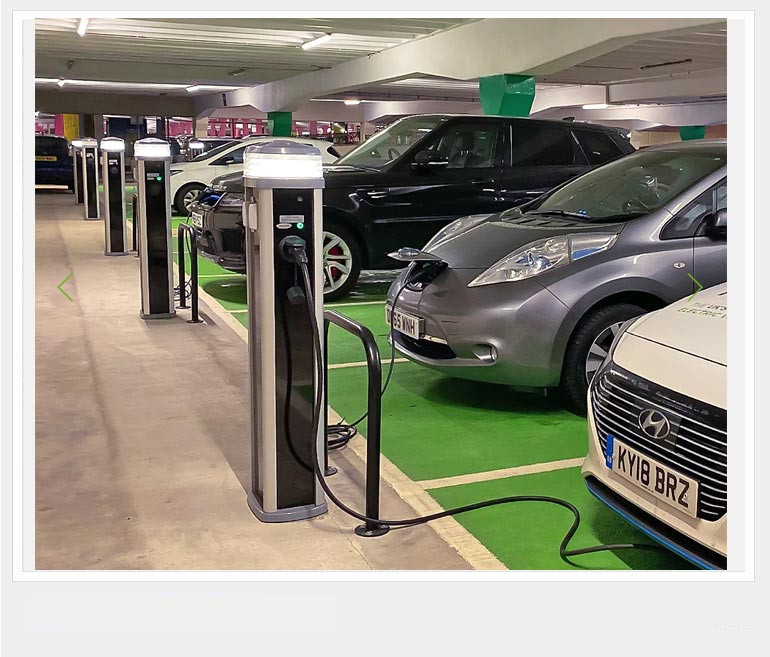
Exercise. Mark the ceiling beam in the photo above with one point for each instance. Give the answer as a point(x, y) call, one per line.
point(102, 102)
point(486, 47)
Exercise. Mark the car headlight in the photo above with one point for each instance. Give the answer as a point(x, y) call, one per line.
point(544, 255)
point(231, 200)
point(454, 229)
point(173, 172)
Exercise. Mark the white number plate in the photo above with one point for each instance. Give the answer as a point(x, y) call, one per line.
point(404, 323)
point(197, 219)
point(664, 483)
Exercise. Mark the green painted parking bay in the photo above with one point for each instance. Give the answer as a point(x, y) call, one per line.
point(434, 426)
point(526, 535)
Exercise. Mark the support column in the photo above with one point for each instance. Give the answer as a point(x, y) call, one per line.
point(201, 126)
point(690, 132)
point(507, 94)
point(279, 124)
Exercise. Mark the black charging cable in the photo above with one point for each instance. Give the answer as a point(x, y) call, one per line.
point(564, 551)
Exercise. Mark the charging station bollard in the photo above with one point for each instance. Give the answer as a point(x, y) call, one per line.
point(155, 265)
point(90, 178)
point(77, 165)
point(114, 183)
point(282, 191)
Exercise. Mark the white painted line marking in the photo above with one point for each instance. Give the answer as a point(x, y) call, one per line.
point(501, 474)
point(354, 303)
point(451, 531)
point(384, 361)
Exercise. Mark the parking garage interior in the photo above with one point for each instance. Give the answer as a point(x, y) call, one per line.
point(142, 428)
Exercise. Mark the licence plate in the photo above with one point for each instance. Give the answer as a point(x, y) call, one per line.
point(197, 220)
point(664, 483)
point(46, 158)
point(404, 323)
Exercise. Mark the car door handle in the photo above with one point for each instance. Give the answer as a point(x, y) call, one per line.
point(377, 193)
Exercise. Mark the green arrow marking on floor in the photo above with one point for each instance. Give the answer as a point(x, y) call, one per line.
point(700, 287)
point(58, 287)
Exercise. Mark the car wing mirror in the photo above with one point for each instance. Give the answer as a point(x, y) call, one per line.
point(429, 159)
point(717, 226)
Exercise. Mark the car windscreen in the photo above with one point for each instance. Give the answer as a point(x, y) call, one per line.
point(389, 144)
point(632, 186)
point(213, 152)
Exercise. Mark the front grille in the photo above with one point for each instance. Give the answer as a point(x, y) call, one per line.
point(696, 447)
point(232, 240)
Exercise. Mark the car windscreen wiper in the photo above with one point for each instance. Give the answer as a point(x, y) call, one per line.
point(362, 167)
point(563, 213)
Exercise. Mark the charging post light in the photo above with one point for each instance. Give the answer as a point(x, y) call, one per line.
point(90, 178)
point(152, 178)
point(283, 219)
point(114, 183)
point(77, 165)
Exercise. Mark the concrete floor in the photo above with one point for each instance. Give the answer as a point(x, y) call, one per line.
point(142, 453)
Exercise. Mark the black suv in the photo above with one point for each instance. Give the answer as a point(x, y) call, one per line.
point(403, 184)
point(53, 162)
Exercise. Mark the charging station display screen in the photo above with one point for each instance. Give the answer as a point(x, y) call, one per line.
point(157, 236)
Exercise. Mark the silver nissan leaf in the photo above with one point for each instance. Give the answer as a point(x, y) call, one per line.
point(533, 296)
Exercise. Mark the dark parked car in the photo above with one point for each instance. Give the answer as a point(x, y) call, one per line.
point(406, 182)
point(53, 162)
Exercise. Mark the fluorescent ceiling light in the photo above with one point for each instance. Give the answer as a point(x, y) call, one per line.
point(352, 101)
point(83, 26)
point(316, 42)
point(596, 106)
point(37, 113)
point(192, 88)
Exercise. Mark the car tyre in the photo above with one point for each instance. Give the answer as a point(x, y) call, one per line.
point(591, 338)
point(185, 191)
point(341, 250)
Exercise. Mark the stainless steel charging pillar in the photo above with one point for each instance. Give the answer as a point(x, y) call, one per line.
point(154, 209)
point(77, 165)
point(114, 184)
point(283, 182)
point(90, 178)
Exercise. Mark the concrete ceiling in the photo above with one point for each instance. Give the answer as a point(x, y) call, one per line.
point(248, 66)
point(207, 51)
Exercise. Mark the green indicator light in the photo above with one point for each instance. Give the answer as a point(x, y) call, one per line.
point(158, 178)
point(300, 225)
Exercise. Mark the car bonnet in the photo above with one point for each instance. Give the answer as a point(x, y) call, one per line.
point(483, 245)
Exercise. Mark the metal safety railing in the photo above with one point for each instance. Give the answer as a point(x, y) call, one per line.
point(373, 415)
point(181, 231)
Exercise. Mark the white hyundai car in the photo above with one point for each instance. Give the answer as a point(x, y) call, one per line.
point(657, 417)
point(189, 179)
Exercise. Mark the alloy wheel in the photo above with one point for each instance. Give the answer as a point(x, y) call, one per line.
point(338, 261)
point(600, 347)
point(190, 197)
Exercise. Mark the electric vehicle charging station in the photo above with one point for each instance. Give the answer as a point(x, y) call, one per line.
point(153, 157)
point(282, 213)
point(114, 183)
point(90, 178)
point(77, 165)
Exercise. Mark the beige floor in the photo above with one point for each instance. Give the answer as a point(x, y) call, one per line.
point(142, 452)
